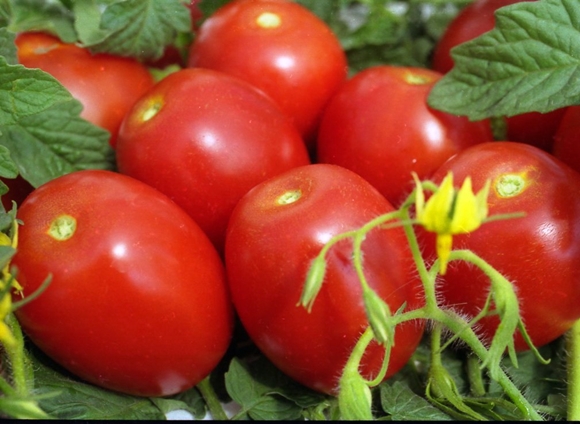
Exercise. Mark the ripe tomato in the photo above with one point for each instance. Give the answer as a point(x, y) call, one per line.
point(106, 85)
point(280, 47)
point(137, 301)
point(379, 125)
point(538, 253)
point(567, 138)
point(473, 20)
point(275, 232)
point(205, 138)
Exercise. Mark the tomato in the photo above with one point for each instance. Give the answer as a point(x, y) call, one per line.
point(106, 85)
point(275, 232)
point(280, 47)
point(566, 145)
point(137, 301)
point(472, 21)
point(205, 138)
point(539, 253)
point(379, 125)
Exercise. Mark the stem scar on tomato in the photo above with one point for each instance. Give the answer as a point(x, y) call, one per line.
point(412, 78)
point(151, 108)
point(289, 197)
point(62, 227)
point(510, 185)
point(268, 20)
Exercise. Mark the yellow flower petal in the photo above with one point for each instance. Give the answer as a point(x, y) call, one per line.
point(444, 243)
point(436, 216)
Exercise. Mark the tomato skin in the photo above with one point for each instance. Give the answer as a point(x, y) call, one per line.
point(213, 138)
point(378, 124)
point(566, 145)
point(472, 21)
point(539, 253)
point(300, 76)
point(269, 248)
point(106, 85)
point(137, 301)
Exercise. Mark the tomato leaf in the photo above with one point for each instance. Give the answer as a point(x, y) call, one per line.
point(530, 61)
point(66, 398)
point(264, 393)
point(190, 401)
point(7, 47)
point(402, 404)
point(138, 28)
point(39, 15)
point(41, 126)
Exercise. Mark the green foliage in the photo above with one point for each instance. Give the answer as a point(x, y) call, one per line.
point(529, 62)
point(41, 132)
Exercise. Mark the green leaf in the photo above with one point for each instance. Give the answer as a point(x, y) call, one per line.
point(402, 404)
point(7, 46)
point(141, 28)
point(75, 400)
point(87, 21)
point(264, 393)
point(190, 401)
point(528, 62)
point(40, 15)
point(8, 168)
point(42, 129)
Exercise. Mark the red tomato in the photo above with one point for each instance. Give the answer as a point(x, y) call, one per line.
point(539, 253)
point(280, 47)
point(137, 301)
point(275, 232)
point(475, 19)
point(205, 138)
point(106, 85)
point(567, 138)
point(379, 125)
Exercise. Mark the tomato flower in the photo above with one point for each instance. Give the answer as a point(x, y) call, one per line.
point(450, 211)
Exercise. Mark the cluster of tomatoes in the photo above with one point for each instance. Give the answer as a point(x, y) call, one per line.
point(234, 172)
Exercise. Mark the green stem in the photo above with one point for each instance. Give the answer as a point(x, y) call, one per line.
point(357, 353)
point(573, 345)
point(213, 404)
point(16, 357)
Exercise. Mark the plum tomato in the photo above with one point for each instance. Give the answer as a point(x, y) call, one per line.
point(280, 47)
point(106, 85)
point(379, 125)
point(275, 232)
point(472, 21)
point(138, 301)
point(205, 138)
point(539, 253)
point(566, 145)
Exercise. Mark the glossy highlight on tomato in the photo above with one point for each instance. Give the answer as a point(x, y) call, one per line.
point(106, 85)
point(539, 252)
point(275, 232)
point(137, 302)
